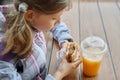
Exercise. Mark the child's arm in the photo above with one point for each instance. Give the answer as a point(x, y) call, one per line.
point(65, 69)
point(61, 33)
point(8, 71)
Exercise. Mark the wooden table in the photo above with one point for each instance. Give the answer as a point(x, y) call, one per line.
point(92, 18)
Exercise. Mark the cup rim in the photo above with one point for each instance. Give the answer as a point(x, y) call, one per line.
point(86, 51)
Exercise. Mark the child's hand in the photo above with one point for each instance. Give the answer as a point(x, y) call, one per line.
point(62, 52)
point(64, 45)
point(66, 68)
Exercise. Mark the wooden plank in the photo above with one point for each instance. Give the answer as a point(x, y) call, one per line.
point(91, 25)
point(117, 0)
point(71, 19)
point(111, 18)
point(48, 38)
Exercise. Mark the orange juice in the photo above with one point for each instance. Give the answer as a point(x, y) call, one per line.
point(91, 62)
point(90, 68)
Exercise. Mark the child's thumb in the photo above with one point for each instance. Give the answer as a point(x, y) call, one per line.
point(77, 63)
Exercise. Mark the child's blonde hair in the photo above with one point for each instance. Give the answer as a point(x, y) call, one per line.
point(18, 37)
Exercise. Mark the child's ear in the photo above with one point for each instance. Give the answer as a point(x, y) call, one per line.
point(29, 14)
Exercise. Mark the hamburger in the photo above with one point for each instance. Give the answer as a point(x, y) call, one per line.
point(72, 49)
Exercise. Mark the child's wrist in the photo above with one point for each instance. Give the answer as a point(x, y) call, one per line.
point(64, 44)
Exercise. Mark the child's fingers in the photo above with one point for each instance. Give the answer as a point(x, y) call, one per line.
point(78, 55)
point(76, 63)
point(78, 48)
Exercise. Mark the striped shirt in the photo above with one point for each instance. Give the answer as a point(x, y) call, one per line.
point(35, 64)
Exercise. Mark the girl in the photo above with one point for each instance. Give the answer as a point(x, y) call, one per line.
point(23, 44)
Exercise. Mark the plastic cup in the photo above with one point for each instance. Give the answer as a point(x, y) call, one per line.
point(93, 48)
